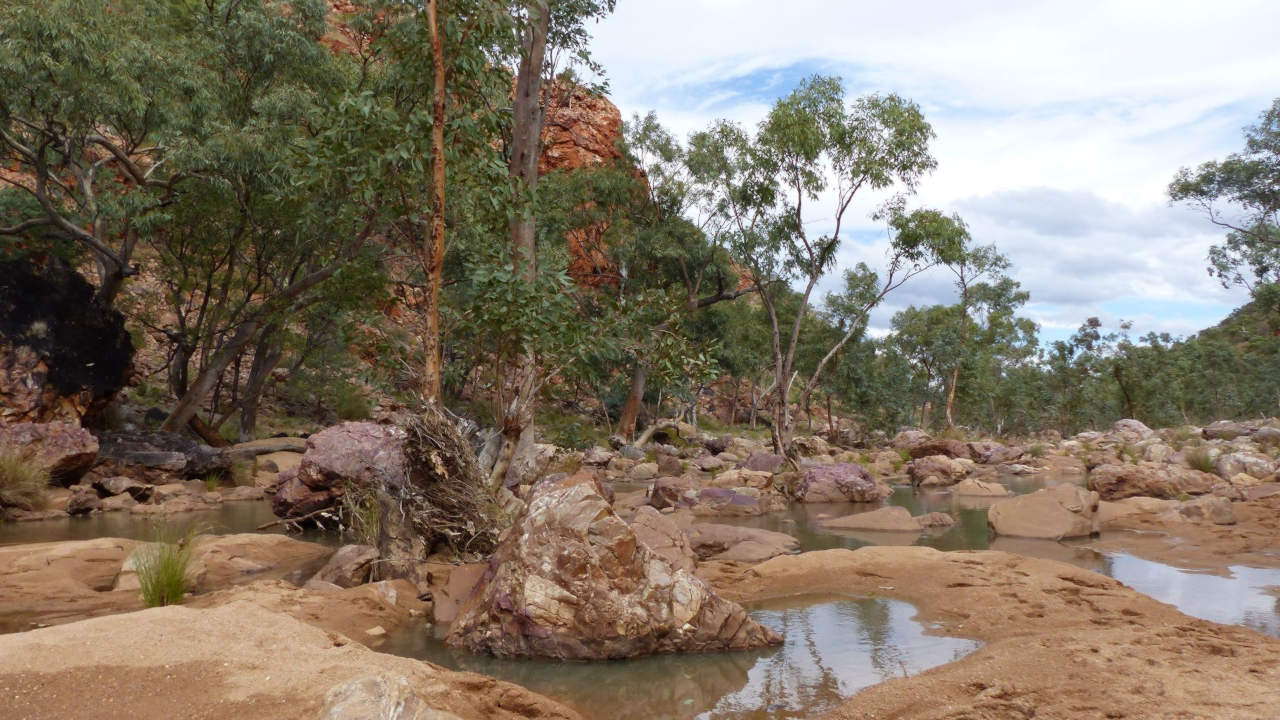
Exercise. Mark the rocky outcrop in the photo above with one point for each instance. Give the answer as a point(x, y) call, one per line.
point(1117, 481)
point(157, 457)
point(237, 660)
point(63, 449)
point(350, 565)
point(571, 580)
point(63, 356)
point(660, 534)
point(1062, 511)
point(839, 482)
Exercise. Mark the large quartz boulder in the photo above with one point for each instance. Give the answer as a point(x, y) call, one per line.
point(571, 580)
point(1248, 463)
point(1062, 511)
point(63, 449)
point(839, 482)
point(1116, 481)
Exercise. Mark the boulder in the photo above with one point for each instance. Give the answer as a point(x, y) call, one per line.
point(241, 493)
point(1226, 430)
point(63, 449)
point(1131, 430)
point(668, 492)
point(1110, 512)
point(1062, 511)
point(839, 482)
point(529, 462)
point(734, 543)
point(1216, 510)
point(885, 519)
point(384, 696)
point(660, 534)
point(84, 500)
point(571, 580)
point(120, 485)
point(1157, 453)
point(669, 465)
point(978, 488)
point(597, 455)
point(935, 470)
point(908, 439)
point(709, 463)
point(1117, 481)
point(993, 453)
point(63, 355)
point(631, 452)
point(742, 478)
point(738, 501)
point(1267, 436)
point(935, 520)
point(118, 503)
point(360, 453)
point(156, 457)
point(643, 471)
point(717, 444)
point(349, 566)
point(810, 445)
point(1249, 463)
point(941, 446)
point(764, 462)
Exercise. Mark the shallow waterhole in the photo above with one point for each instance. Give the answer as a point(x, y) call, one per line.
point(833, 647)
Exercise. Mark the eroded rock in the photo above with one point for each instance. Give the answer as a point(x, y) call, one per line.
point(571, 580)
point(839, 482)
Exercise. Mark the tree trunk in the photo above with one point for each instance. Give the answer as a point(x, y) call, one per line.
point(433, 253)
point(631, 409)
point(526, 136)
point(955, 372)
point(265, 359)
point(190, 401)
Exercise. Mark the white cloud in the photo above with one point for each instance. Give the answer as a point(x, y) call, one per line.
point(1059, 124)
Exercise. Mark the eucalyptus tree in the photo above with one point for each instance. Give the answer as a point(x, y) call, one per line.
point(1241, 195)
point(969, 267)
point(96, 101)
point(811, 146)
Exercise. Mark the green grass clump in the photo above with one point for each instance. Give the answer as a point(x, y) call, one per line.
point(162, 567)
point(22, 482)
point(1199, 459)
point(1129, 453)
point(1037, 451)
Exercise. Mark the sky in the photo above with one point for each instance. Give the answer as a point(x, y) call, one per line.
point(1059, 126)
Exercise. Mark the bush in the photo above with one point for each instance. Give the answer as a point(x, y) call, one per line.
point(350, 403)
point(22, 482)
point(1199, 459)
point(162, 567)
point(1037, 451)
point(361, 517)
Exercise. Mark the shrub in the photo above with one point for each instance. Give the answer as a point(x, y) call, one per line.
point(1129, 453)
point(22, 482)
point(244, 472)
point(1037, 451)
point(350, 403)
point(1199, 459)
point(162, 567)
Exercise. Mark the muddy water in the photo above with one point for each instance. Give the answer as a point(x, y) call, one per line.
point(834, 647)
point(228, 518)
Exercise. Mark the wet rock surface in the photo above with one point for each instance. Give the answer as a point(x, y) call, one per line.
point(572, 581)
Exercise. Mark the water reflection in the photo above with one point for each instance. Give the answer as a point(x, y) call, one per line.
point(1246, 598)
point(833, 648)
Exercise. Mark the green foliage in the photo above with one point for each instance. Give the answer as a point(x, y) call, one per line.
point(23, 483)
point(162, 566)
point(350, 402)
point(1037, 450)
point(1199, 459)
